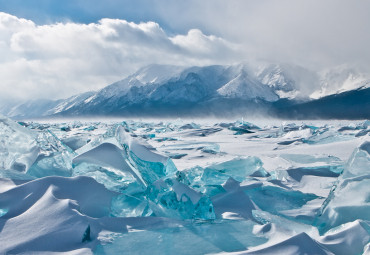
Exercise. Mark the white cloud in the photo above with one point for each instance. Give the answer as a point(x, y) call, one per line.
point(58, 60)
point(61, 59)
point(198, 44)
point(313, 33)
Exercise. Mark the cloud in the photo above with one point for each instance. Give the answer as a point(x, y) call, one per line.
point(315, 34)
point(197, 44)
point(58, 60)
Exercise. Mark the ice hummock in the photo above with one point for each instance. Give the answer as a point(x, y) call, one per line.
point(349, 198)
point(18, 146)
point(151, 165)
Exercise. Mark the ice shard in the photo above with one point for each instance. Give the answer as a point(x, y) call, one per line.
point(18, 146)
point(55, 158)
point(151, 165)
point(238, 168)
point(174, 199)
point(349, 198)
point(107, 164)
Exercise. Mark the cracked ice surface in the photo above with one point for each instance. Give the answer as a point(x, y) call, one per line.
point(184, 187)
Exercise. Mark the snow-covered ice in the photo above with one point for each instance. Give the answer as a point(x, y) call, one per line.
point(184, 187)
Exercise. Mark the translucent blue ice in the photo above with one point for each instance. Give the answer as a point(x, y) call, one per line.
point(349, 198)
point(144, 184)
point(58, 163)
point(111, 178)
point(3, 212)
point(18, 146)
point(239, 169)
point(174, 199)
point(130, 206)
point(150, 165)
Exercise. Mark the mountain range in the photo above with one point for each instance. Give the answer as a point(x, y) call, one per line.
point(284, 91)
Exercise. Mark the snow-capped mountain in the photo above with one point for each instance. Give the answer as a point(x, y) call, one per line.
point(159, 87)
point(288, 81)
point(30, 109)
point(340, 79)
point(149, 76)
point(73, 101)
point(246, 87)
point(177, 90)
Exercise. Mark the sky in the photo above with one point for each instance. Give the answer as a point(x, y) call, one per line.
point(54, 49)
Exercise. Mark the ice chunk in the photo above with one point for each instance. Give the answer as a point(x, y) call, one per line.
point(76, 142)
point(105, 155)
point(117, 149)
point(240, 127)
point(18, 146)
point(209, 180)
point(191, 125)
point(349, 202)
point(151, 165)
point(239, 169)
point(326, 136)
point(130, 206)
point(55, 158)
point(151, 171)
point(50, 143)
point(36, 154)
point(173, 199)
point(260, 173)
point(211, 148)
point(240, 130)
point(58, 164)
point(349, 198)
point(358, 164)
point(108, 164)
point(246, 124)
point(3, 212)
point(90, 128)
point(111, 178)
point(193, 178)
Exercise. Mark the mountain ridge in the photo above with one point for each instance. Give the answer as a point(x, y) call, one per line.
point(165, 90)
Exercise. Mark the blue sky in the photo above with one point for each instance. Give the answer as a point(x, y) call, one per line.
point(46, 11)
point(90, 11)
point(54, 48)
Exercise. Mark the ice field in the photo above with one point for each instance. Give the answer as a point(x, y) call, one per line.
point(184, 187)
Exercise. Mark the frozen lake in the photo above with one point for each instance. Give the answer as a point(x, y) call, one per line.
point(184, 186)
